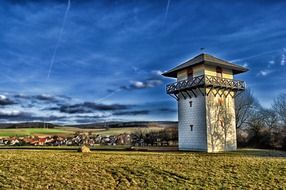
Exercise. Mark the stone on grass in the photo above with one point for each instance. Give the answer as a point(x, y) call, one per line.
point(84, 149)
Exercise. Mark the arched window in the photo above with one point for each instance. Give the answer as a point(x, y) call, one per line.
point(190, 74)
point(219, 72)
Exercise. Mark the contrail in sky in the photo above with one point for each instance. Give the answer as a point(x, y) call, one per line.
point(59, 40)
point(167, 10)
point(108, 95)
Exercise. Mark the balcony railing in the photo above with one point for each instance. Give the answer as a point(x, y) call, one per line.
point(205, 81)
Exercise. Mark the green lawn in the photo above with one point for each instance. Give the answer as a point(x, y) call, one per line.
point(247, 169)
point(32, 131)
point(117, 131)
point(63, 131)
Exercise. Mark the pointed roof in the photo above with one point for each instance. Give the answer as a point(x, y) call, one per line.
point(207, 60)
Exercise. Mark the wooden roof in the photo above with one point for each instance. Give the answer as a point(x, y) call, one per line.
point(207, 60)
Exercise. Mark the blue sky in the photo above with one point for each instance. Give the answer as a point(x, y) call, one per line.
point(87, 61)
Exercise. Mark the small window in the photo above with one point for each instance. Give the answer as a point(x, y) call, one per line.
point(190, 74)
point(191, 103)
point(191, 126)
point(219, 72)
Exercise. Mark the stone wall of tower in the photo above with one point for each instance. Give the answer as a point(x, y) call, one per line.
point(195, 137)
point(212, 117)
point(220, 121)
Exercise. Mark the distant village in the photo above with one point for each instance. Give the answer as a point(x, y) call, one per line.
point(161, 138)
point(76, 140)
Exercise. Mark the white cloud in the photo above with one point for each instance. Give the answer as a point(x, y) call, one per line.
point(245, 65)
point(145, 84)
point(10, 112)
point(264, 72)
point(270, 63)
point(153, 83)
point(3, 97)
point(283, 60)
point(138, 84)
point(157, 72)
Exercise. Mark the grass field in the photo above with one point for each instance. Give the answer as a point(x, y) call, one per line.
point(23, 169)
point(66, 131)
point(32, 131)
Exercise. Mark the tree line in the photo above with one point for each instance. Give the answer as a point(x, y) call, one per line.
point(258, 126)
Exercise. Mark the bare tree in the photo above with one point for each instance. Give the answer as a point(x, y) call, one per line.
point(270, 118)
point(256, 123)
point(245, 105)
point(280, 107)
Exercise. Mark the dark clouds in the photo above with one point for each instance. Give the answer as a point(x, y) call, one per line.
point(61, 109)
point(4, 101)
point(45, 98)
point(13, 114)
point(20, 116)
point(167, 110)
point(89, 107)
point(42, 97)
point(132, 113)
point(73, 109)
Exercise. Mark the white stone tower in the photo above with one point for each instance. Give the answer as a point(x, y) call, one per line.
point(205, 91)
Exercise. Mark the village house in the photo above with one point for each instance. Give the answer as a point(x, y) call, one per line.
point(1, 141)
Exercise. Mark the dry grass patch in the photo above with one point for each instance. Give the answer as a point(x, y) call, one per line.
point(23, 169)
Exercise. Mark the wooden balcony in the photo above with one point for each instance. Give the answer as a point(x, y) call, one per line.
point(202, 82)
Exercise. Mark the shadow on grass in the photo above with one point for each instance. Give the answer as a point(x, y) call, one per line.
point(260, 152)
